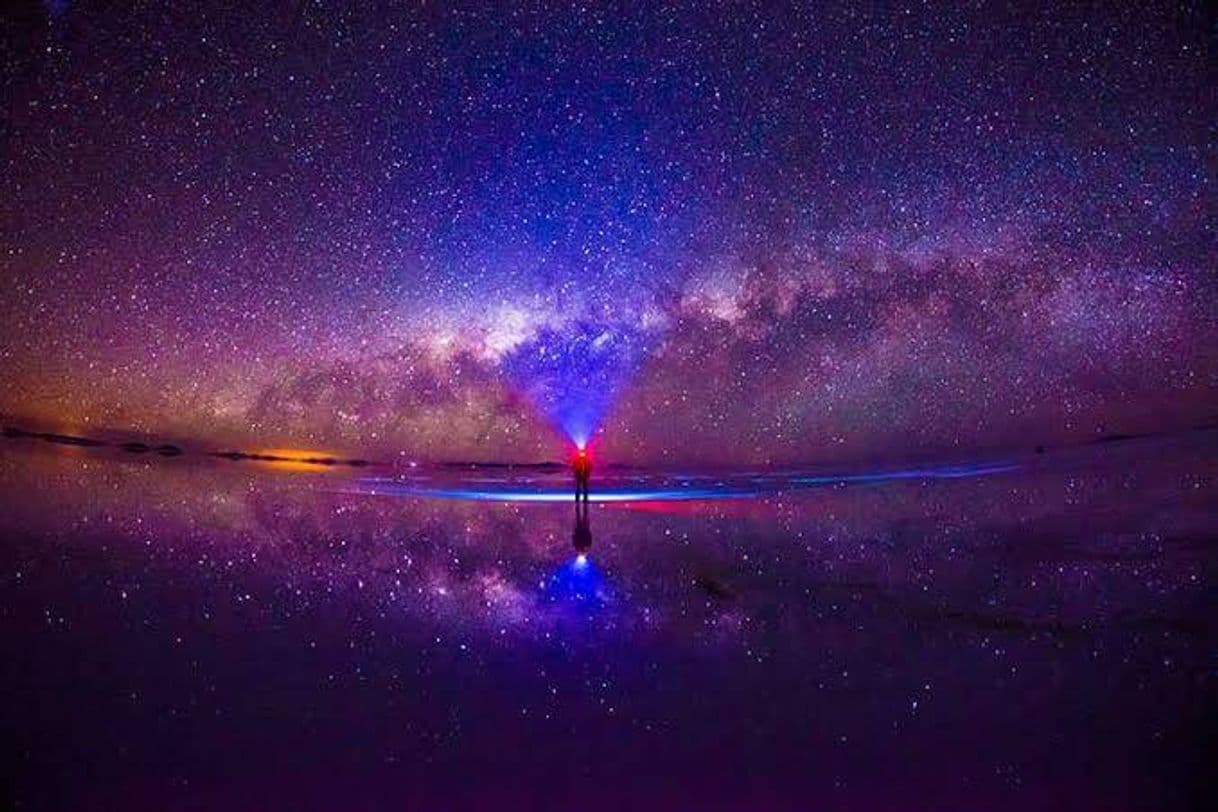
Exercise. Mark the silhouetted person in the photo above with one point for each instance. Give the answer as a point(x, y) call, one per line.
point(582, 537)
point(583, 472)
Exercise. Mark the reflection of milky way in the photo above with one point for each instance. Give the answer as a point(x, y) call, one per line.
point(248, 630)
point(804, 233)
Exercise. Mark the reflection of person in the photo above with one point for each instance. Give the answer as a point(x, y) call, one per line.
point(582, 537)
point(583, 472)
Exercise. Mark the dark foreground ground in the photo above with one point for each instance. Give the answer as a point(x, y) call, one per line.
point(183, 635)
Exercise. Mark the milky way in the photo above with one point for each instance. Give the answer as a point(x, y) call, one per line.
point(738, 235)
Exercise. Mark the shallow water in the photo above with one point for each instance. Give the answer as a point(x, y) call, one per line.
point(989, 635)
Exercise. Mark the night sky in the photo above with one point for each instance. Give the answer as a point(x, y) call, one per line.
point(702, 234)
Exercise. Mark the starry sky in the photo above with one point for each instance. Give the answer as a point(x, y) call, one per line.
point(698, 233)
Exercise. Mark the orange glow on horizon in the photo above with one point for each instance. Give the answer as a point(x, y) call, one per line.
point(296, 459)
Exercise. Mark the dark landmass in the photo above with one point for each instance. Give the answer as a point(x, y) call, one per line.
point(238, 456)
point(59, 439)
point(164, 449)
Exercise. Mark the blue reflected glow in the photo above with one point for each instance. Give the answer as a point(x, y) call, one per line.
point(658, 487)
point(949, 472)
point(579, 582)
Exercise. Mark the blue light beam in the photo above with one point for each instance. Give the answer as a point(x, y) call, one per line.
point(575, 375)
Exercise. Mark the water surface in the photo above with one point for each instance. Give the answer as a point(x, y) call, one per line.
point(997, 634)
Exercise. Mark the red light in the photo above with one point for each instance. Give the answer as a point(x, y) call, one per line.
point(580, 457)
